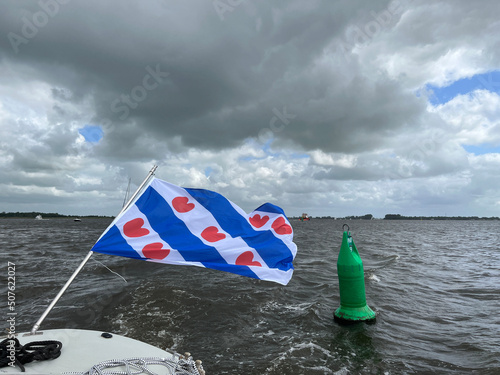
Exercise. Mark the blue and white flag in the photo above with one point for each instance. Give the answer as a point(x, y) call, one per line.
point(196, 227)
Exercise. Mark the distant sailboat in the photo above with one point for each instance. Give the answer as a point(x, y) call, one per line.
point(127, 193)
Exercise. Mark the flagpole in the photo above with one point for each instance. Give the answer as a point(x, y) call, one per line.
point(87, 257)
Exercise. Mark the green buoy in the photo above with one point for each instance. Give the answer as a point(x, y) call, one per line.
point(353, 307)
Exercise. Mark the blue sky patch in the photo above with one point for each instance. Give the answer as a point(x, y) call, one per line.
point(208, 171)
point(487, 81)
point(249, 158)
point(296, 155)
point(91, 133)
point(482, 149)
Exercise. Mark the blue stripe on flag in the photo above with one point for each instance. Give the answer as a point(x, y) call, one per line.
point(112, 243)
point(269, 207)
point(271, 249)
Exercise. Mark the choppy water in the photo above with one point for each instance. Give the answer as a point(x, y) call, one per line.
point(435, 286)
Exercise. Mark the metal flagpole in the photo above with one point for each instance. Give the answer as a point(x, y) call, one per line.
point(77, 271)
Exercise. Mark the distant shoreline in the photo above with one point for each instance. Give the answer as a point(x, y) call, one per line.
point(401, 217)
point(47, 215)
point(51, 215)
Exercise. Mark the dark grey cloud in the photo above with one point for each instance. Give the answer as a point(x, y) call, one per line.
point(215, 81)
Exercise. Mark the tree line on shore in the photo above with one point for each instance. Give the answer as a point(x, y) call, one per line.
point(402, 217)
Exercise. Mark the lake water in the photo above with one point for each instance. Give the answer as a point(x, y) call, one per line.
point(435, 286)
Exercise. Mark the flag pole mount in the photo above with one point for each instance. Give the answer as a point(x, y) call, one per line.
point(36, 326)
point(353, 307)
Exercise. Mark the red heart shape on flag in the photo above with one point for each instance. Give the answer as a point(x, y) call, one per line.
point(133, 228)
point(212, 234)
point(246, 259)
point(155, 251)
point(281, 227)
point(258, 221)
point(181, 204)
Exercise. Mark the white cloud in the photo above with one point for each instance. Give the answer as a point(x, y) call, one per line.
point(321, 158)
point(473, 119)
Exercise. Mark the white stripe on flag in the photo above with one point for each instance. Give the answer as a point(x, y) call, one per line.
point(203, 225)
point(263, 221)
point(137, 231)
point(264, 273)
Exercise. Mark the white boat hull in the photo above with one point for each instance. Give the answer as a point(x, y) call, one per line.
point(82, 349)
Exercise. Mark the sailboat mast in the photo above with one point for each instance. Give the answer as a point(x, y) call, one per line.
point(126, 193)
point(87, 257)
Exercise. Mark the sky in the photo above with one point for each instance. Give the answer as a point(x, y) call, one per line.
point(332, 108)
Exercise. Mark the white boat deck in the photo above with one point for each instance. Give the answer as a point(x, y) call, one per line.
point(82, 349)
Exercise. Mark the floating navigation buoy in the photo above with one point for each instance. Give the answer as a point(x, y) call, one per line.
point(353, 307)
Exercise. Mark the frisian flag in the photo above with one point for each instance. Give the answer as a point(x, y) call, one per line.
point(197, 227)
